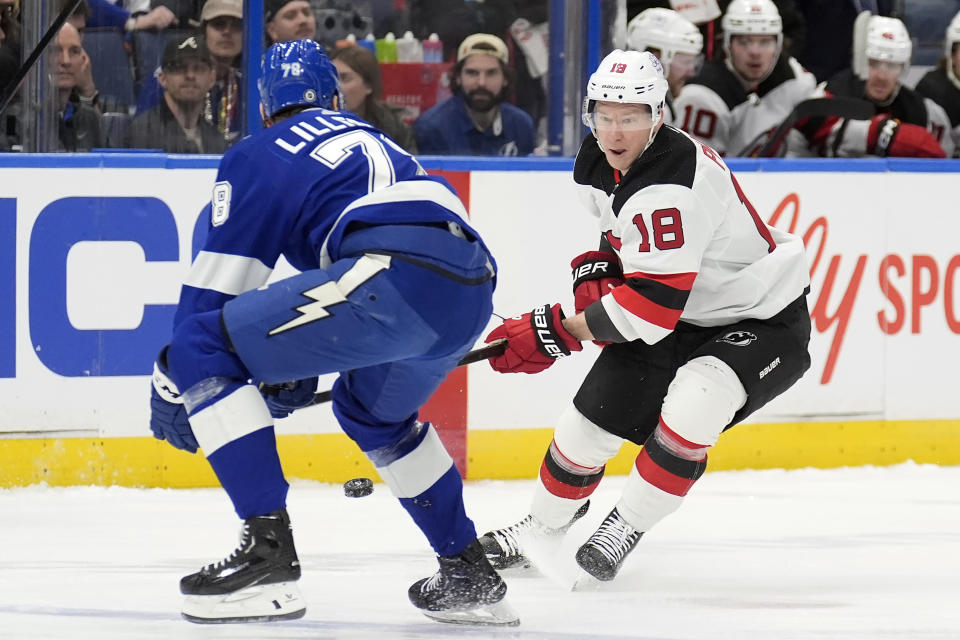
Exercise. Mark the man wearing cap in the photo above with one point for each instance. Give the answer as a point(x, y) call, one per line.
point(177, 125)
point(223, 29)
point(476, 121)
point(287, 20)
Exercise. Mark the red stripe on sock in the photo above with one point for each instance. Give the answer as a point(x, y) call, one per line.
point(562, 489)
point(660, 477)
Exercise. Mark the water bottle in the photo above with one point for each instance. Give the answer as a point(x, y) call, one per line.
point(433, 49)
point(409, 49)
point(369, 43)
point(386, 48)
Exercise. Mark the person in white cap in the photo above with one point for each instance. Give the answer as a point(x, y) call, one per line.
point(701, 307)
point(477, 120)
point(942, 84)
point(733, 105)
point(223, 29)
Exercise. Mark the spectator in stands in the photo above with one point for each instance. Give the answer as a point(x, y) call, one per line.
point(476, 120)
point(80, 127)
point(223, 28)
point(9, 41)
point(187, 12)
point(362, 92)
point(675, 41)
point(9, 63)
point(734, 105)
point(103, 13)
point(176, 125)
point(942, 84)
point(289, 20)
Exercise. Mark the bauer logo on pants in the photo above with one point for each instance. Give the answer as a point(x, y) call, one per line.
point(738, 338)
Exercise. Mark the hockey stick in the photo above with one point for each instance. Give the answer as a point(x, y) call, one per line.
point(840, 106)
point(14, 85)
point(492, 350)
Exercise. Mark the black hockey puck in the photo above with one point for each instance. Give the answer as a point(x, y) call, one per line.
point(358, 487)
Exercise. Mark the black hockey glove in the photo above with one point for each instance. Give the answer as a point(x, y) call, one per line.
point(168, 416)
point(285, 398)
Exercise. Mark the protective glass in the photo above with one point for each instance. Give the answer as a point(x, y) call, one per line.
point(638, 119)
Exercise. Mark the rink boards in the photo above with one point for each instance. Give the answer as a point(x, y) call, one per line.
point(93, 250)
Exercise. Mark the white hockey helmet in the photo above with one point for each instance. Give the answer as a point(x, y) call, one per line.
point(887, 40)
point(752, 18)
point(628, 77)
point(952, 37)
point(665, 30)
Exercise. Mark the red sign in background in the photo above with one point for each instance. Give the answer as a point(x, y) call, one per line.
point(415, 86)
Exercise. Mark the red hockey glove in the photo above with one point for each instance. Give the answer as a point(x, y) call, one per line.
point(890, 137)
point(595, 273)
point(535, 341)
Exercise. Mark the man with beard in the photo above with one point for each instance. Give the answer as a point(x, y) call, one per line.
point(177, 125)
point(476, 121)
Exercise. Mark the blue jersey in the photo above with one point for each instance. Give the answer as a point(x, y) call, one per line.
point(446, 129)
point(293, 189)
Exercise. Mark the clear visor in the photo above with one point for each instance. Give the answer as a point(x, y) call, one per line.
point(686, 64)
point(635, 119)
point(886, 67)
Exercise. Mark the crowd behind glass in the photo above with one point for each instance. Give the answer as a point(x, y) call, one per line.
point(166, 74)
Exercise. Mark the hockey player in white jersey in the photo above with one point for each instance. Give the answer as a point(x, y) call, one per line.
point(733, 105)
point(905, 125)
point(702, 307)
point(942, 84)
point(675, 41)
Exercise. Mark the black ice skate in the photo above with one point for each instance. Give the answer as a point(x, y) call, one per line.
point(603, 554)
point(503, 548)
point(255, 583)
point(466, 590)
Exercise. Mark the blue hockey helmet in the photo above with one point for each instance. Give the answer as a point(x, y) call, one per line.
point(297, 73)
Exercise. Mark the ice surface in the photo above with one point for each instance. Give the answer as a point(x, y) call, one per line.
point(863, 553)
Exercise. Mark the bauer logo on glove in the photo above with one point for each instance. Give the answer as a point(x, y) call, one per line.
point(535, 341)
point(543, 322)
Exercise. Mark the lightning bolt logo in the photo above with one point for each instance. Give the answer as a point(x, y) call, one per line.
point(332, 293)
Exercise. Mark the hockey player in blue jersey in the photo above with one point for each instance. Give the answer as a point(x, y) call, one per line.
point(394, 288)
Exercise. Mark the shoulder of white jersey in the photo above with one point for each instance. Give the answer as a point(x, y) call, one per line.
point(936, 86)
point(700, 97)
point(936, 113)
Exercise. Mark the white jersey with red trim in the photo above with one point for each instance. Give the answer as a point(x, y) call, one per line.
point(691, 245)
point(715, 108)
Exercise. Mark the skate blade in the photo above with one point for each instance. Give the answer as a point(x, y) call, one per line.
point(259, 603)
point(585, 582)
point(498, 614)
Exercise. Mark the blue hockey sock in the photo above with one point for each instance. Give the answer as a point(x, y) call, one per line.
point(249, 470)
point(440, 514)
